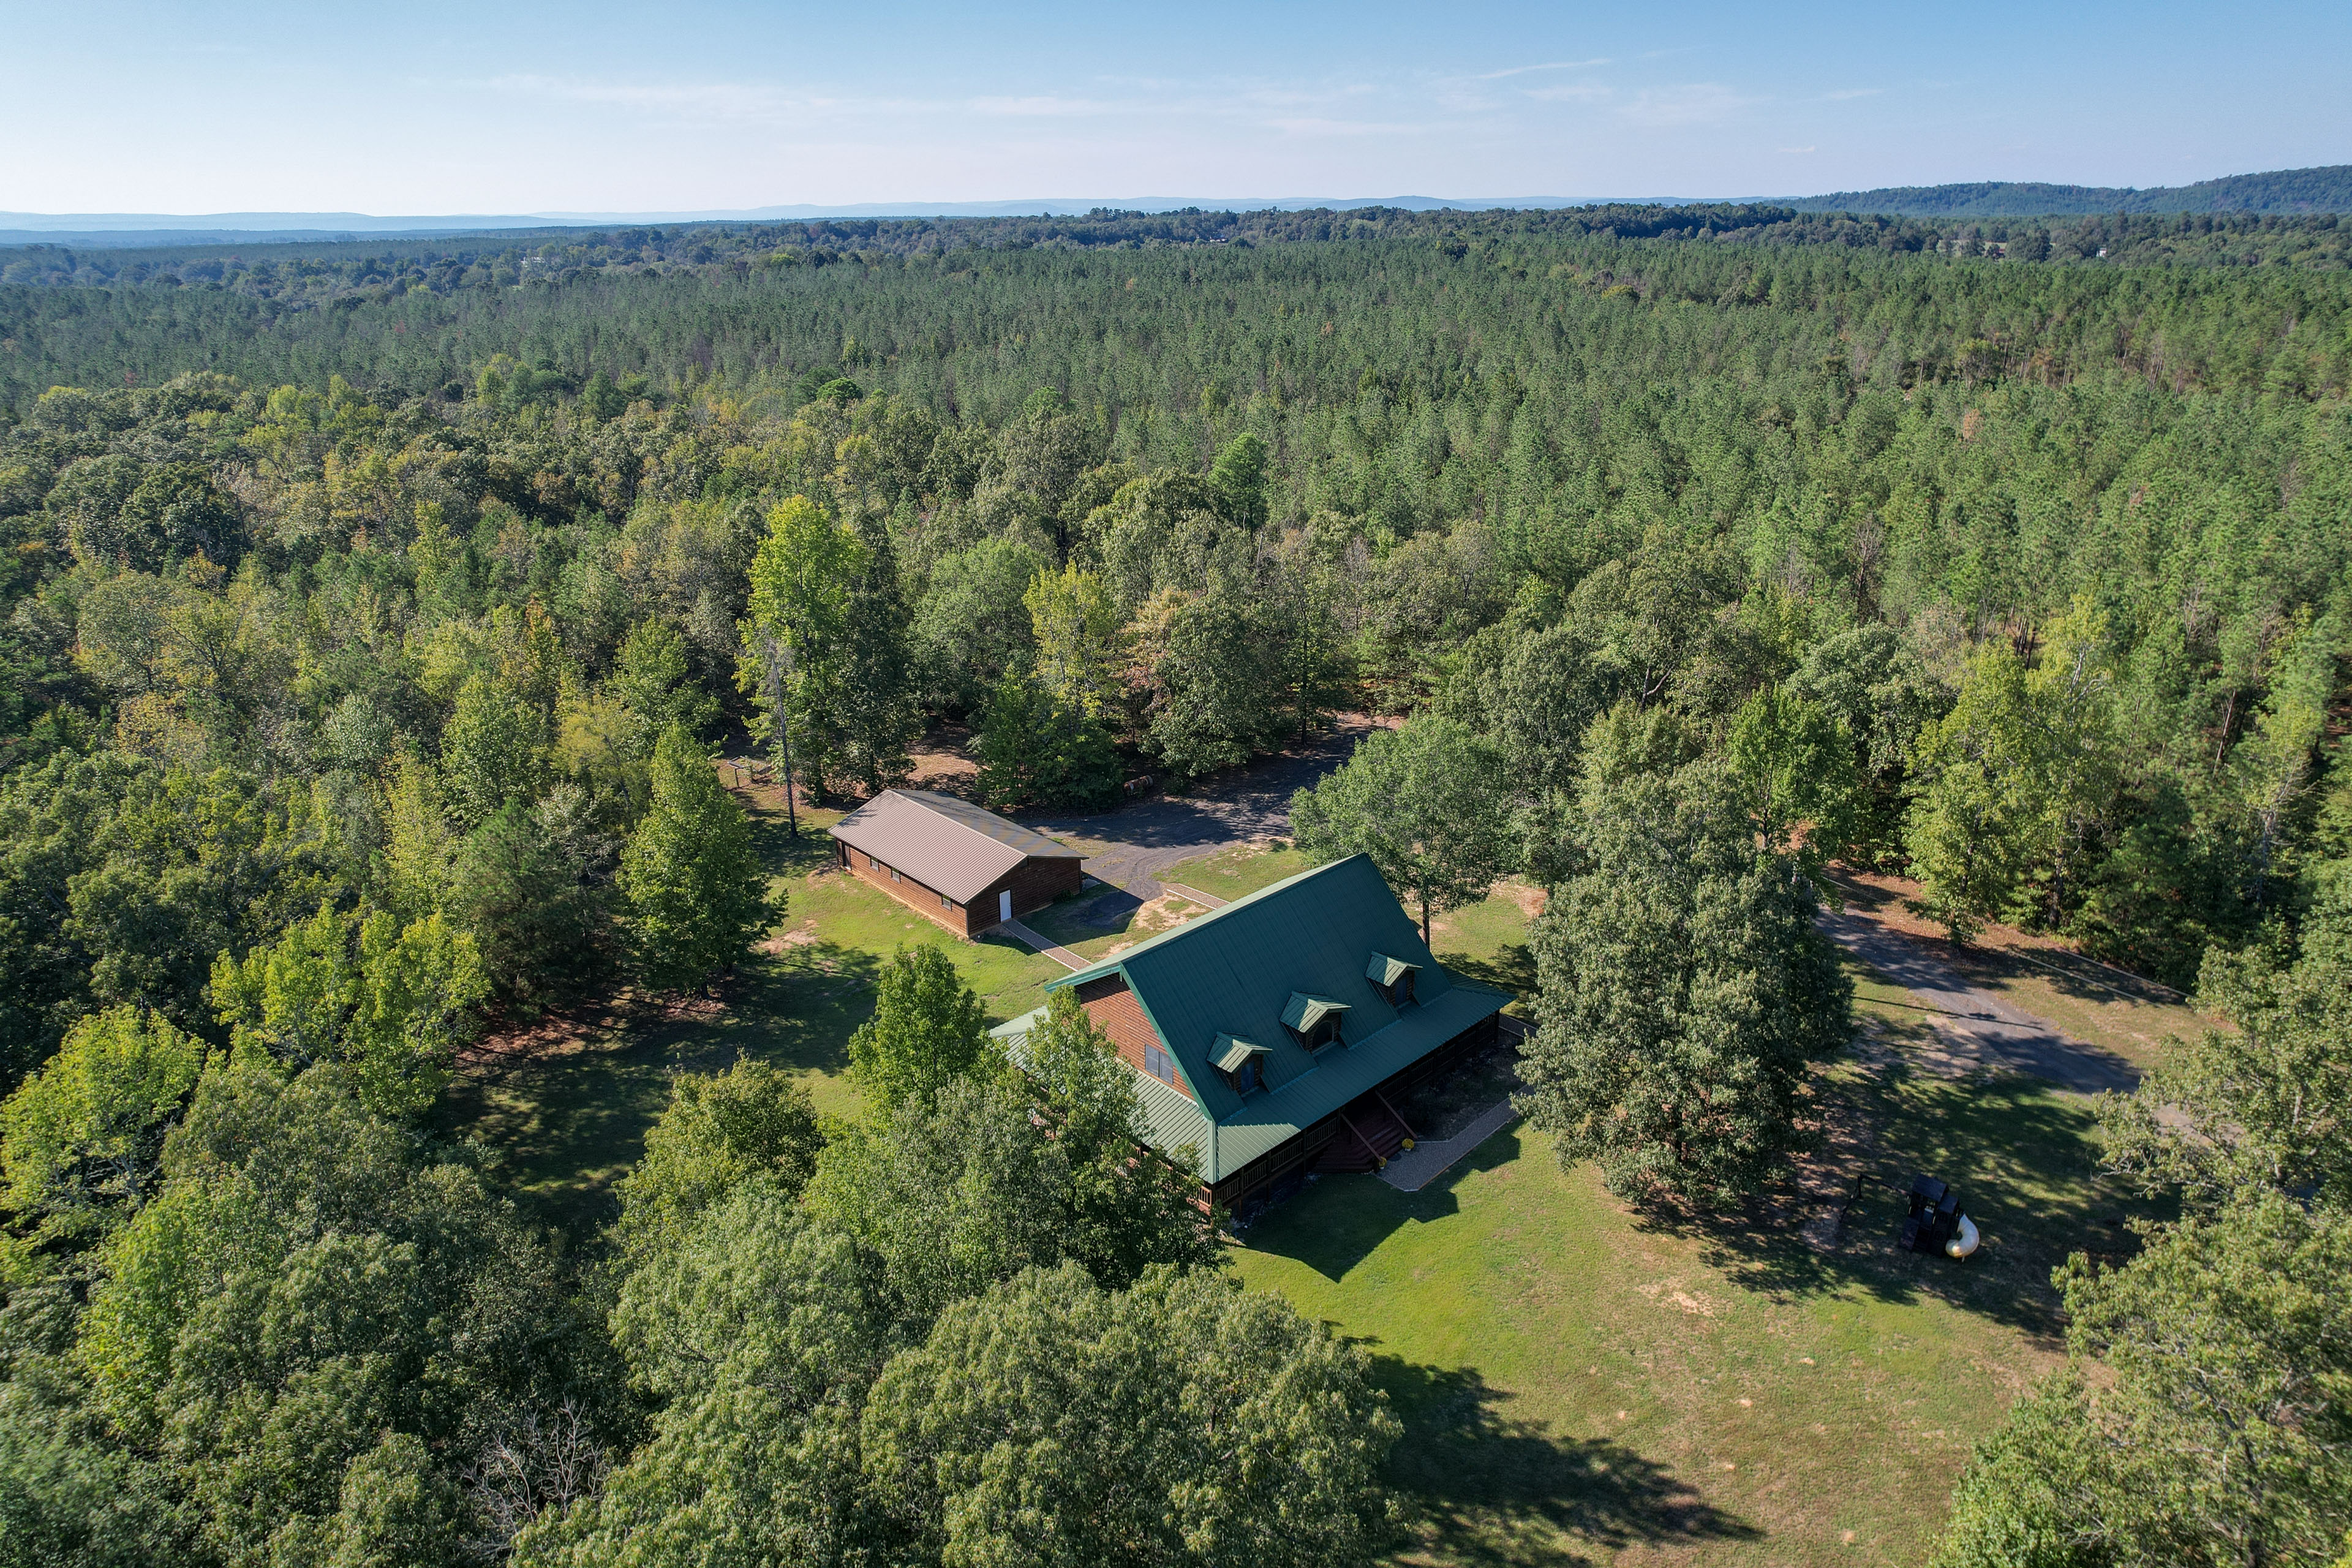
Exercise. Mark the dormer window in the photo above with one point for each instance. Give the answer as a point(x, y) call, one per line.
point(1393, 977)
point(1238, 1062)
point(1313, 1021)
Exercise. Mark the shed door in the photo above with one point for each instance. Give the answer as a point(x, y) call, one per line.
point(1004, 905)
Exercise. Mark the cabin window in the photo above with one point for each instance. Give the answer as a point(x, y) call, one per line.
point(1244, 1078)
point(1156, 1063)
point(894, 873)
point(943, 902)
point(1324, 1032)
point(1401, 993)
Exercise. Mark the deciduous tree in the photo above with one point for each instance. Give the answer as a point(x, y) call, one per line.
point(1685, 994)
point(1426, 802)
point(79, 1139)
point(927, 1028)
point(1183, 1420)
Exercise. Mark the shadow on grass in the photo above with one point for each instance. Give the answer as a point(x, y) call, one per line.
point(1513, 969)
point(568, 1121)
point(1107, 912)
point(2069, 973)
point(1331, 1240)
point(2025, 1160)
point(1495, 1490)
point(781, 853)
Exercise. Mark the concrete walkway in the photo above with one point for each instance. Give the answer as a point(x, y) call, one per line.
point(1992, 1030)
point(1206, 900)
point(1073, 961)
point(1424, 1162)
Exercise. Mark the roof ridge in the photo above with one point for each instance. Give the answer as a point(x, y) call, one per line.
point(923, 797)
point(1197, 923)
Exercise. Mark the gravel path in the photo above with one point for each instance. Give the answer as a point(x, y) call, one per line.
point(1130, 847)
point(1987, 1028)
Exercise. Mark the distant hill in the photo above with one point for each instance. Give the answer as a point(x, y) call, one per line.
point(2285, 192)
point(2324, 190)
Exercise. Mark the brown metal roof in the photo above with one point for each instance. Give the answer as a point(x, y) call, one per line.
point(948, 845)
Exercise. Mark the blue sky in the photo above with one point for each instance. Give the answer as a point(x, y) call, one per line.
point(525, 106)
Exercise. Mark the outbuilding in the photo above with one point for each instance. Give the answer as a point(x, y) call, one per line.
point(964, 866)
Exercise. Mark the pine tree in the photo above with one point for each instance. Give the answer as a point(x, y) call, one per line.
point(697, 894)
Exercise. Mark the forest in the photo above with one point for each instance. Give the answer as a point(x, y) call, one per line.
point(369, 614)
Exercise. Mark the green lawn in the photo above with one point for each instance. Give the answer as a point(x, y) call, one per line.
point(568, 1112)
point(1239, 871)
point(1579, 1381)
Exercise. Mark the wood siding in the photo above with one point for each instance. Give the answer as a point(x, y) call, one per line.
point(1116, 1013)
point(1034, 884)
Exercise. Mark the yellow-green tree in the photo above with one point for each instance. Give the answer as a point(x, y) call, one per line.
point(1078, 630)
point(80, 1139)
point(390, 1002)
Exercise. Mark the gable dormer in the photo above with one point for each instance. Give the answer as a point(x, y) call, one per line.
point(1314, 1021)
point(1240, 1062)
point(1393, 977)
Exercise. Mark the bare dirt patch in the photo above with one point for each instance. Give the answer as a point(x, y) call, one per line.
point(801, 935)
point(943, 762)
point(1165, 912)
point(1530, 899)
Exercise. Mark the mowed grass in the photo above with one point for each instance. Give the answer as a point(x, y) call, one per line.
point(566, 1109)
point(1580, 1381)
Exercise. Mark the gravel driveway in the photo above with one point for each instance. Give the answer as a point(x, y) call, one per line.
point(1130, 847)
point(1995, 1030)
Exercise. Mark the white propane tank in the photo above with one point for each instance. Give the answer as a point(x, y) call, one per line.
point(1964, 1240)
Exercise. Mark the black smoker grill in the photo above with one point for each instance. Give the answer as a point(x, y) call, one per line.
point(1935, 1216)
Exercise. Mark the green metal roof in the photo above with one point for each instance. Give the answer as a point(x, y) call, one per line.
point(1231, 974)
point(1227, 1054)
point(1303, 1012)
point(1383, 970)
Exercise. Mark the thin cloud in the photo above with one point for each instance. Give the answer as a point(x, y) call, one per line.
point(1040, 107)
point(1799, 149)
point(1842, 94)
point(1314, 127)
point(1582, 91)
point(1548, 65)
point(724, 102)
point(1693, 103)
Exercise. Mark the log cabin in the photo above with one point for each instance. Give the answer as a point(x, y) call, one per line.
point(1278, 1036)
